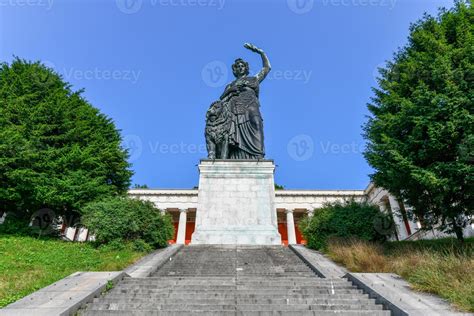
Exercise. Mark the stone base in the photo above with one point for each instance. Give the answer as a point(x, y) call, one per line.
point(236, 237)
point(236, 203)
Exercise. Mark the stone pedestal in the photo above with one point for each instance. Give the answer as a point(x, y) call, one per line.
point(236, 203)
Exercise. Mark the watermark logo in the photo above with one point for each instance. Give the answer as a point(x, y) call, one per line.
point(43, 220)
point(129, 6)
point(301, 147)
point(384, 224)
point(214, 74)
point(133, 144)
point(300, 6)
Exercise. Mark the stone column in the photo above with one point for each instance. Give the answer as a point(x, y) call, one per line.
point(181, 238)
point(400, 225)
point(290, 226)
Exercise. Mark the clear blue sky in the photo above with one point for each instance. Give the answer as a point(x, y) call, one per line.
point(154, 66)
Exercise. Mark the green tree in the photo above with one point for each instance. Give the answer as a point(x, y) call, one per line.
point(140, 186)
point(56, 150)
point(420, 132)
point(279, 187)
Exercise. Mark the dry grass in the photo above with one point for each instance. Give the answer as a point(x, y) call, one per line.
point(446, 271)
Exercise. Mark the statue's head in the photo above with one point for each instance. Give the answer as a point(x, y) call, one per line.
point(240, 68)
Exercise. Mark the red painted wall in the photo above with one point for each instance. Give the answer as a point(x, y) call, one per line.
point(283, 232)
point(189, 233)
point(281, 229)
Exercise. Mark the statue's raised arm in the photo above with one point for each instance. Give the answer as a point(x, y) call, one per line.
point(266, 63)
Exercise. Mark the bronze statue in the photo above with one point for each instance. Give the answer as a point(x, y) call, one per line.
point(234, 125)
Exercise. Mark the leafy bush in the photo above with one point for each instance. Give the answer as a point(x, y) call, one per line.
point(15, 226)
point(350, 219)
point(124, 219)
point(141, 245)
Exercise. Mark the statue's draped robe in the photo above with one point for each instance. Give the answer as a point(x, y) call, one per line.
point(246, 134)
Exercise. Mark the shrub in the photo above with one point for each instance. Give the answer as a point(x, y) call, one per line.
point(350, 219)
point(15, 226)
point(124, 219)
point(18, 226)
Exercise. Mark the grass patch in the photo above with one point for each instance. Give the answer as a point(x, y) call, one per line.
point(442, 267)
point(28, 264)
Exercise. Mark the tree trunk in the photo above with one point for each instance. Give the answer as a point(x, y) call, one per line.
point(458, 231)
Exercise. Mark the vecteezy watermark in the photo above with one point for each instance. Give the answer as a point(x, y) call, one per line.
point(47, 4)
point(301, 147)
point(95, 73)
point(329, 147)
point(175, 148)
point(290, 75)
point(102, 74)
point(300, 6)
point(133, 6)
point(134, 145)
point(214, 74)
point(361, 3)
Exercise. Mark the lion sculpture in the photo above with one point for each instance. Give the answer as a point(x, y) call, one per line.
point(218, 129)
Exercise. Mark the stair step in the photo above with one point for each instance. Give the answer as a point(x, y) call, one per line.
point(271, 292)
point(241, 296)
point(238, 307)
point(190, 301)
point(213, 281)
point(234, 313)
point(226, 287)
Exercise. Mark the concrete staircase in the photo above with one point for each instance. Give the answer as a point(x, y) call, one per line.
point(234, 280)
